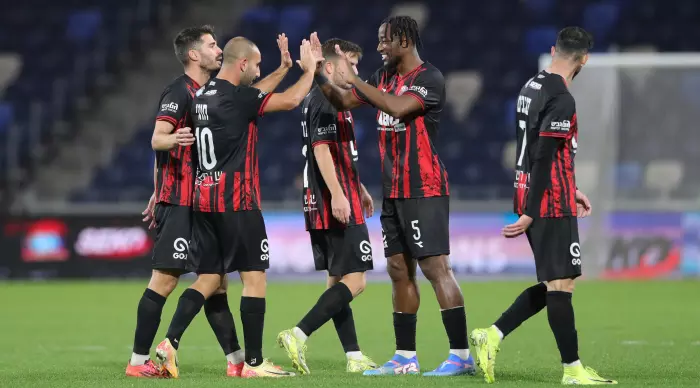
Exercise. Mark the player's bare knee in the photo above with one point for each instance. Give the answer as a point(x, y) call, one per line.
point(254, 283)
point(564, 285)
point(332, 281)
point(437, 269)
point(163, 282)
point(355, 282)
point(398, 270)
point(207, 284)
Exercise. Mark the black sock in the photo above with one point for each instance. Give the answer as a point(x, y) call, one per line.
point(455, 321)
point(405, 331)
point(188, 307)
point(330, 303)
point(528, 303)
point(147, 320)
point(221, 321)
point(253, 318)
point(560, 313)
point(345, 326)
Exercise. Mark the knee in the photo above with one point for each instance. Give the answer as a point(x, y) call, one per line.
point(398, 271)
point(163, 283)
point(564, 285)
point(437, 269)
point(356, 283)
point(254, 284)
point(207, 284)
point(332, 281)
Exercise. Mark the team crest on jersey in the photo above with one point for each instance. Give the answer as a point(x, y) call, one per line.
point(172, 107)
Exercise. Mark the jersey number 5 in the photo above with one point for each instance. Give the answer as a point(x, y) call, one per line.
point(205, 148)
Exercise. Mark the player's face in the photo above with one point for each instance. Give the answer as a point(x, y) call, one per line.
point(389, 48)
point(251, 69)
point(339, 70)
point(210, 55)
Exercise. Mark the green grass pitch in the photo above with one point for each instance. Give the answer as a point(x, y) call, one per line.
point(78, 334)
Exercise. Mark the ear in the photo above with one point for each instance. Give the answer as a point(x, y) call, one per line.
point(328, 67)
point(553, 50)
point(243, 64)
point(193, 55)
point(585, 59)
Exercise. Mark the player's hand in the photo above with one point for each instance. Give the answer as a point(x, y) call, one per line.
point(341, 208)
point(517, 228)
point(316, 48)
point(308, 60)
point(367, 202)
point(283, 44)
point(583, 205)
point(347, 74)
point(184, 137)
point(148, 212)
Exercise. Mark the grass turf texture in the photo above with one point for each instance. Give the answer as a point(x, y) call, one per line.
point(79, 334)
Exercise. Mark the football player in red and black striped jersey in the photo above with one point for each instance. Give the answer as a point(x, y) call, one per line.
point(409, 95)
point(335, 205)
point(228, 229)
point(548, 202)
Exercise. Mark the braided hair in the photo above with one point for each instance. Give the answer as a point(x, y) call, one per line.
point(404, 27)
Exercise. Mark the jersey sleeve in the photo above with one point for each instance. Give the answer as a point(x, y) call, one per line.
point(374, 81)
point(559, 115)
point(253, 101)
point(174, 104)
point(322, 123)
point(428, 88)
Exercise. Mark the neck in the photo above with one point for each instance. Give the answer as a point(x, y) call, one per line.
point(199, 75)
point(230, 75)
point(563, 68)
point(409, 62)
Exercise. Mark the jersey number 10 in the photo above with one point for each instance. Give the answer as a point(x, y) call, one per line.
point(205, 148)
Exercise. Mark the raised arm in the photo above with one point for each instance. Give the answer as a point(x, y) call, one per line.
point(340, 98)
point(294, 95)
point(270, 83)
point(395, 106)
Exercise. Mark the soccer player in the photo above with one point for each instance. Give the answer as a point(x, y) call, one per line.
point(548, 202)
point(334, 201)
point(228, 231)
point(409, 95)
point(169, 209)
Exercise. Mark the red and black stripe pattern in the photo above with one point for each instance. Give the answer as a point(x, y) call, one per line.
point(411, 167)
point(175, 168)
point(324, 125)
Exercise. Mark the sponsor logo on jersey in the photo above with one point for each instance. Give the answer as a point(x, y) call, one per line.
point(262, 94)
point(420, 90)
point(326, 130)
point(534, 85)
point(210, 93)
point(389, 123)
point(171, 107)
point(562, 126)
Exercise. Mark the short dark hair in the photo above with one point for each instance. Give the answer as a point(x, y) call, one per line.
point(328, 48)
point(188, 39)
point(574, 42)
point(404, 27)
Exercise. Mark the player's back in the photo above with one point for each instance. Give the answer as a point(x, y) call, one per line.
point(226, 135)
point(546, 108)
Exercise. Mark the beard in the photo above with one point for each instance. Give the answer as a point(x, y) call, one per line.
point(578, 70)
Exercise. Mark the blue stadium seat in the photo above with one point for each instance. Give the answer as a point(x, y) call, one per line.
point(83, 25)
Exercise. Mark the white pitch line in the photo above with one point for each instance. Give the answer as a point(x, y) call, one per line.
point(634, 343)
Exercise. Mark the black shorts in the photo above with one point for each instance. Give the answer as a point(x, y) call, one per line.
point(416, 226)
point(173, 231)
point(555, 244)
point(229, 241)
point(342, 251)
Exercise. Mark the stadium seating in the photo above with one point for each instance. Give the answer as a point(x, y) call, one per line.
point(63, 48)
point(485, 49)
